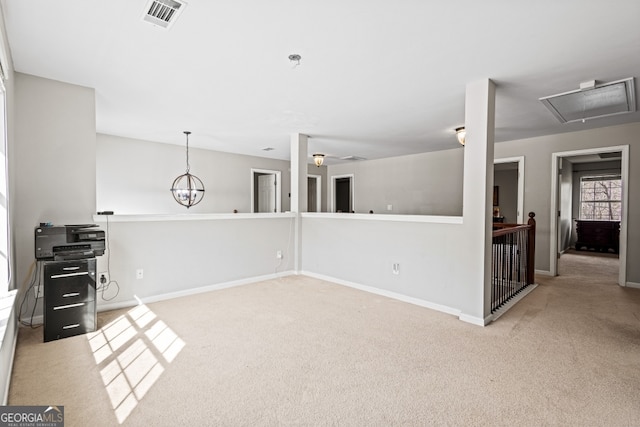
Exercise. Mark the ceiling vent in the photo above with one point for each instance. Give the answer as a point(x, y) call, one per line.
point(352, 158)
point(163, 13)
point(593, 101)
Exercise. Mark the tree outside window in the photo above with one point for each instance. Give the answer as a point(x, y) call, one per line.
point(601, 198)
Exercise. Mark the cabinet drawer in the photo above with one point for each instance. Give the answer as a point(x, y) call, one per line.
point(61, 269)
point(69, 282)
point(69, 320)
point(71, 290)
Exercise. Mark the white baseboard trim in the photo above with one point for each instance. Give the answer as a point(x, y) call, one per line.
point(170, 295)
point(632, 285)
point(192, 291)
point(543, 272)
point(478, 321)
point(400, 297)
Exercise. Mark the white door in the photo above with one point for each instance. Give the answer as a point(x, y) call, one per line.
point(266, 193)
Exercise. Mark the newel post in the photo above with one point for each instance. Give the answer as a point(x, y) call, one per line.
point(531, 249)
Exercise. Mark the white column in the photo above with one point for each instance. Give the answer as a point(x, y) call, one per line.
point(299, 152)
point(299, 200)
point(478, 199)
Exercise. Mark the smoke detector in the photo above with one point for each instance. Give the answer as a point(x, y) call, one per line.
point(163, 13)
point(593, 101)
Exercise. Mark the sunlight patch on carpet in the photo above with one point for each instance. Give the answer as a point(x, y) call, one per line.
point(132, 352)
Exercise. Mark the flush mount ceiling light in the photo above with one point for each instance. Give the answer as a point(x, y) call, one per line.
point(461, 133)
point(593, 101)
point(163, 13)
point(187, 189)
point(318, 159)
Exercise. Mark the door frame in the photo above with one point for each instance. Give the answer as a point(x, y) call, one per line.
point(520, 161)
point(278, 175)
point(553, 218)
point(333, 190)
point(318, 179)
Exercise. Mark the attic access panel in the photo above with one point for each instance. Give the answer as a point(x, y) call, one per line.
point(603, 100)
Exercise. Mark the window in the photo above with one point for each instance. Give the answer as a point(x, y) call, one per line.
point(601, 198)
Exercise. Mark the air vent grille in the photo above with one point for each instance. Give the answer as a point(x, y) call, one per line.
point(163, 13)
point(602, 100)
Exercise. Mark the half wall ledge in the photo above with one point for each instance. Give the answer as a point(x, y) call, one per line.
point(188, 217)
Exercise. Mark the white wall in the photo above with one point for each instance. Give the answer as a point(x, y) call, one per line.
point(52, 159)
point(177, 256)
point(363, 251)
point(537, 152)
point(420, 184)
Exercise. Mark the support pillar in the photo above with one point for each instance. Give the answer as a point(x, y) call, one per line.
point(299, 200)
point(477, 208)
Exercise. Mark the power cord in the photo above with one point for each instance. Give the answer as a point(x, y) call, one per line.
point(104, 284)
point(34, 276)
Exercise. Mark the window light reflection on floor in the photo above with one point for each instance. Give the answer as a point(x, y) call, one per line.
point(132, 352)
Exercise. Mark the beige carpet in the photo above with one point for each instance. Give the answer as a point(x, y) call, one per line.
point(300, 351)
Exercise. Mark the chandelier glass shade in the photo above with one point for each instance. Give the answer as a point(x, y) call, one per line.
point(187, 189)
point(318, 159)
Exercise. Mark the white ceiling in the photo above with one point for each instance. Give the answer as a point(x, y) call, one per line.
point(377, 78)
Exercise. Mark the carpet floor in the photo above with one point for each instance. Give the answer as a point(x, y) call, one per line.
point(304, 352)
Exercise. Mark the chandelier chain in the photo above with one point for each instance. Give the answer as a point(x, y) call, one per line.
point(188, 166)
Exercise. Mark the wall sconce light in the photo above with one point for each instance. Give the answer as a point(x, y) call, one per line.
point(318, 159)
point(187, 189)
point(461, 133)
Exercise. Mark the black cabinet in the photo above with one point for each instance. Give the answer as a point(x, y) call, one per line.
point(69, 298)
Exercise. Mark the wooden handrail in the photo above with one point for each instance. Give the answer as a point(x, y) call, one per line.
point(504, 229)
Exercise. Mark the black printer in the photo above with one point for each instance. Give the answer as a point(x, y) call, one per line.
point(66, 242)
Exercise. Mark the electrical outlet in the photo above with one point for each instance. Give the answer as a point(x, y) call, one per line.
point(139, 273)
point(279, 254)
point(396, 268)
point(103, 278)
point(38, 291)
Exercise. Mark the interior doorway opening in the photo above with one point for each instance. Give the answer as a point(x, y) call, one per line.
point(342, 190)
point(508, 178)
point(567, 200)
point(314, 193)
point(265, 191)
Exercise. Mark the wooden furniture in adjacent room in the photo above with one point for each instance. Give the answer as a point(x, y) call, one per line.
point(598, 235)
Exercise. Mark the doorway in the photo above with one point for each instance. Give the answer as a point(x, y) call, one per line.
point(508, 177)
point(563, 165)
point(265, 191)
point(342, 190)
point(314, 193)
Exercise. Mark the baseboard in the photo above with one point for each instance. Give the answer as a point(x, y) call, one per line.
point(216, 287)
point(632, 285)
point(170, 295)
point(478, 321)
point(394, 295)
point(543, 272)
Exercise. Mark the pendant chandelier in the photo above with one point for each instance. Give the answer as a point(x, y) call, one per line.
point(187, 189)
